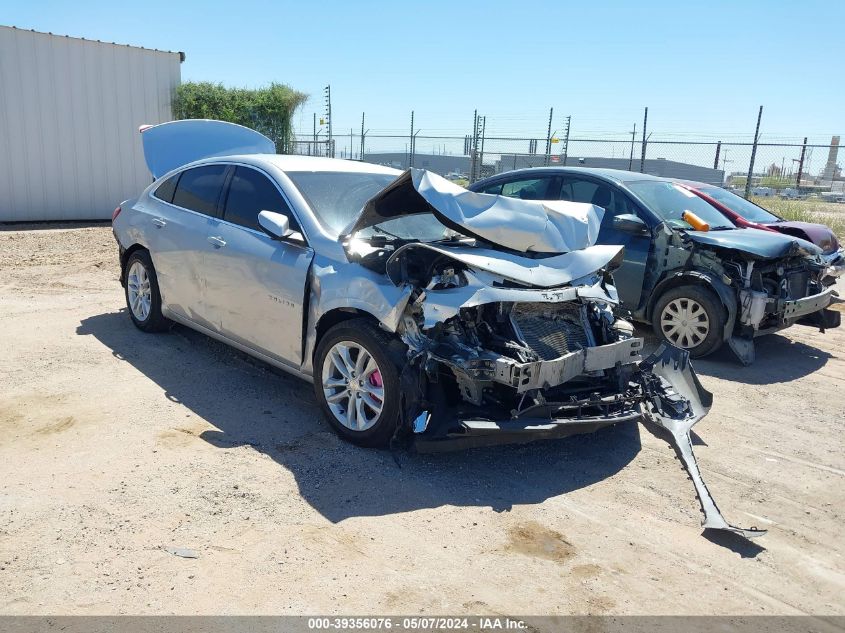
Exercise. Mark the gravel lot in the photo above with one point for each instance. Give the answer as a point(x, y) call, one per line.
point(117, 447)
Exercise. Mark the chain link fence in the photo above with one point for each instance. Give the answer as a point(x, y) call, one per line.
point(787, 169)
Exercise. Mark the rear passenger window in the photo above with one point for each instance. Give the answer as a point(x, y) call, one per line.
point(251, 192)
point(199, 188)
point(166, 189)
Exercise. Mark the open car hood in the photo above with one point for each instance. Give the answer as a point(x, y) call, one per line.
point(519, 225)
point(755, 243)
point(176, 143)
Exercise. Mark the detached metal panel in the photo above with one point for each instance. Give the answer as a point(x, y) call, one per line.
point(69, 116)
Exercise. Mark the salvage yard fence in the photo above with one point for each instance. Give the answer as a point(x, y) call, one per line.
point(774, 166)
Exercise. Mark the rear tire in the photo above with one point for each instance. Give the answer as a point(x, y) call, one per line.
point(356, 381)
point(143, 298)
point(692, 318)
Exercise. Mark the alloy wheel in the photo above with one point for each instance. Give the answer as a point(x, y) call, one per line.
point(352, 385)
point(138, 291)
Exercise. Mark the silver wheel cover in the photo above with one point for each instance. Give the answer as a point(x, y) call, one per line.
point(684, 323)
point(352, 384)
point(138, 291)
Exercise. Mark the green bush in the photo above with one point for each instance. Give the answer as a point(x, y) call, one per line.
point(268, 110)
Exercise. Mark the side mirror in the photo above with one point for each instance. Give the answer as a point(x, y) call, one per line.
point(629, 223)
point(275, 225)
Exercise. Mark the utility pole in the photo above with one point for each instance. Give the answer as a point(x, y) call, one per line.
point(472, 146)
point(633, 139)
point(645, 140)
point(411, 156)
point(481, 155)
point(801, 163)
point(566, 140)
point(330, 147)
point(549, 138)
point(362, 137)
point(753, 154)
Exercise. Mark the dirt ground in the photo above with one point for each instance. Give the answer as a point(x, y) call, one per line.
point(118, 446)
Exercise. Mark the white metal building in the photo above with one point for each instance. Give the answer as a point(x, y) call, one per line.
point(69, 115)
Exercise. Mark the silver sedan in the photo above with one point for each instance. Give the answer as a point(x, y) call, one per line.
point(423, 313)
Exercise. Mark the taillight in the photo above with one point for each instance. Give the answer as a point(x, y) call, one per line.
point(115, 213)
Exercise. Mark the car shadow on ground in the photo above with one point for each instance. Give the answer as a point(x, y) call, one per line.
point(252, 404)
point(779, 359)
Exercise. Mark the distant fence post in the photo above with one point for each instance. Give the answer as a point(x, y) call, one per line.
point(801, 164)
point(753, 154)
point(645, 140)
point(718, 151)
point(549, 138)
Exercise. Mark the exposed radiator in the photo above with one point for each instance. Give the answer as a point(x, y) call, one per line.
point(551, 330)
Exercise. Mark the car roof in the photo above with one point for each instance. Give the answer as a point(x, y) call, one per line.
point(617, 175)
point(289, 162)
point(698, 185)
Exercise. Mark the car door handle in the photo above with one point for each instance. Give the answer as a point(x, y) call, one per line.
point(216, 242)
point(159, 222)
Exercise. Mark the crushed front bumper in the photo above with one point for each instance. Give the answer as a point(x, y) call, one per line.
point(793, 310)
point(665, 393)
point(551, 373)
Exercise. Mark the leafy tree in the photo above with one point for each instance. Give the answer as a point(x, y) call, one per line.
point(268, 110)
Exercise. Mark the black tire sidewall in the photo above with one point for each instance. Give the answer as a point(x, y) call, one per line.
point(708, 300)
point(155, 321)
point(387, 356)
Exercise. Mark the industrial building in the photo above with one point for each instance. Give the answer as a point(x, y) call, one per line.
point(70, 109)
point(445, 163)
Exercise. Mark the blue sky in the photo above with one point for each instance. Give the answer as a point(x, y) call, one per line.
point(703, 68)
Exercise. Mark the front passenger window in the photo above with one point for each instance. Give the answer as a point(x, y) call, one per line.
point(199, 189)
point(251, 192)
point(533, 189)
point(599, 194)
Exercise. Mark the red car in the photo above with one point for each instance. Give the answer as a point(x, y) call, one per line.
point(748, 215)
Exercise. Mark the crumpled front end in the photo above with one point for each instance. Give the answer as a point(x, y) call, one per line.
point(524, 364)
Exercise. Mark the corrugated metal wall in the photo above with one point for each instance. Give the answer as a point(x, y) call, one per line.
point(69, 116)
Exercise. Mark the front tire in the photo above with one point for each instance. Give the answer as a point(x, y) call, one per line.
point(356, 381)
point(692, 318)
point(142, 294)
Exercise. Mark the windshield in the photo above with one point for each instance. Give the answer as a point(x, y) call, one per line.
point(740, 206)
point(669, 201)
point(336, 197)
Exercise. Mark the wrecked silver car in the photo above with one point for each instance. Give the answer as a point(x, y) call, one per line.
point(425, 315)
